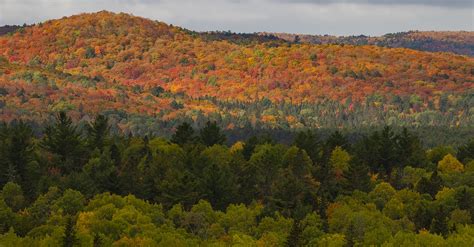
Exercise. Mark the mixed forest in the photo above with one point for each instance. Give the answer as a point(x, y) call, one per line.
point(87, 187)
point(460, 42)
point(148, 77)
point(117, 130)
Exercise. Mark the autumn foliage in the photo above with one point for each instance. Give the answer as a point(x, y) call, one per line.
point(92, 63)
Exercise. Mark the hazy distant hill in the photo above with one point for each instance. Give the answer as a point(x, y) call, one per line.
point(456, 42)
point(144, 72)
point(8, 29)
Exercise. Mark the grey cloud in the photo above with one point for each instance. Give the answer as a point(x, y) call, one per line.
point(441, 3)
point(339, 17)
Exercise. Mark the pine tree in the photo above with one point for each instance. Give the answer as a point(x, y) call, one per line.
point(357, 177)
point(184, 134)
point(411, 151)
point(436, 183)
point(388, 156)
point(16, 151)
point(336, 139)
point(308, 141)
point(211, 134)
point(98, 133)
point(63, 140)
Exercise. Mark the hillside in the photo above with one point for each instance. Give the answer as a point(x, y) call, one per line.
point(458, 42)
point(148, 75)
point(455, 42)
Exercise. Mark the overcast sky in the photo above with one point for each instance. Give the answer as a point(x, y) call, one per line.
point(338, 17)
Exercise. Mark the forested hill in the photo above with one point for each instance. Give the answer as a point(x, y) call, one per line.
point(460, 42)
point(148, 76)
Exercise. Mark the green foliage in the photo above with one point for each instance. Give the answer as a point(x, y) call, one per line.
point(90, 52)
point(211, 134)
point(12, 194)
point(64, 142)
point(450, 164)
point(69, 239)
point(157, 91)
point(438, 153)
point(98, 133)
point(70, 203)
point(466, 152)
point(189, 191)
point(184, 134)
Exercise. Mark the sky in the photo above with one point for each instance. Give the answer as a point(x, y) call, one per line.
point(335, 17)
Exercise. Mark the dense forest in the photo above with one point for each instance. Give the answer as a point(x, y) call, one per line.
point(84, 186)
point(142, 74)
point(9, 29)
point(458, 42)
point(118, 130)
point(461, 42)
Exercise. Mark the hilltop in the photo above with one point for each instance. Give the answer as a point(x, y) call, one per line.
point(151, 75)
point(460, 42)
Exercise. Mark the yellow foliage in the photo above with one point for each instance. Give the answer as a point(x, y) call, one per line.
point(237, 147)
point(449, 164)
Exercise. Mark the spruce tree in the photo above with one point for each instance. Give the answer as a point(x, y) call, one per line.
point(63, 140)
point(98, 133)
point(357, 177)
point(184, 134)
point(211, 134)
point(309, 141)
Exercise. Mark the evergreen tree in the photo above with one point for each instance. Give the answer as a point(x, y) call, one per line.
point(308, 141)
point(101, 169)
point(294, 190)
point(211, 134)
point(387, 154)
point(98, 133)
point(357, 177)
point(430, 186)
point(184, 134)
point(466, 152)
point(254, 141)
point(16, 152)
point(63, 140)
point(336, 139)
point(436, 183)
point(260, 172)
point(411, 151)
